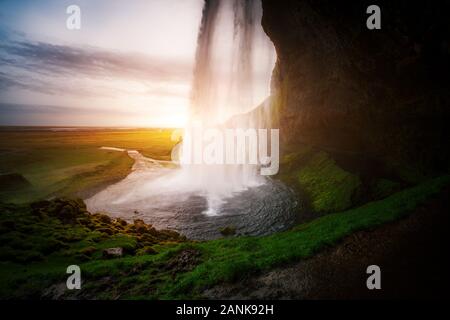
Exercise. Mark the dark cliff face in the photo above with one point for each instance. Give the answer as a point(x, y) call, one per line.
point(340, 86)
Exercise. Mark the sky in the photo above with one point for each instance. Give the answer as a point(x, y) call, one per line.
point(130, 64)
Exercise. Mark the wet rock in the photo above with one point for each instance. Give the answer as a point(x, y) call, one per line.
point(121, 222)
point(130, 228)
point(103, 218)
point(170, 233)
point(154, 232)
point(228, 231)
point(140, 226)
point(113, 253)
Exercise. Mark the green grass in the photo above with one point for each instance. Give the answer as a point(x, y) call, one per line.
point(65, 163)
point(148, 276)
point(235, 258)
point(34, 253)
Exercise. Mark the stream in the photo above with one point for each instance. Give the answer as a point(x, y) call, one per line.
point(150, 193)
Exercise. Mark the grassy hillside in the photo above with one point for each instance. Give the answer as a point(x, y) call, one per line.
point(165, 269)
point(70, 162)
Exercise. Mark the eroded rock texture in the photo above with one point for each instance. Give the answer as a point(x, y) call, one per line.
point(383, 93)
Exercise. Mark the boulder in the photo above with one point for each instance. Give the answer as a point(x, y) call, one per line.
point(113, 253)
point(121, 222)
point(140, 226)
point(103, 218)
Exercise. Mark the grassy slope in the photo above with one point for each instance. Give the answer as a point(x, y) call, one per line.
point(328, 187)
point(37, 245)
point(35, 253)
point(231, 259)
point(150, 276)
point(65, 163)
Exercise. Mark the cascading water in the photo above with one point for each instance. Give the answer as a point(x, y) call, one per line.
point(224, 68)
point(234, 61)
point(232, 72)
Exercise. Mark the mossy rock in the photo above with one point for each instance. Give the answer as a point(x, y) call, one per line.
point(121, 222)
point(329, 187)
point(146, 250)
point(130, 229)
point(104, 218)
point(170, 233)
point(108, 231)
point(228, 231)
point(148, 238)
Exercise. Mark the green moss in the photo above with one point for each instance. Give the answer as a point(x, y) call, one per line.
point(151, 276)
point(329, 187)
point(235, 258)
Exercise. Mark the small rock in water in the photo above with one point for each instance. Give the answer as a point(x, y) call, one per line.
point(112, 253)
point(228, 231)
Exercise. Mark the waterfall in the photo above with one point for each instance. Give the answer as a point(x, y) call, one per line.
point(233, 65)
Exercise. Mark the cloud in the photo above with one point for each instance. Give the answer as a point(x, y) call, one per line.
point(28, 114)
point(35, 66)
point(43, 85)
point(92, 61)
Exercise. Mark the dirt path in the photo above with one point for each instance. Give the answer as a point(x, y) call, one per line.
point(412, 254)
